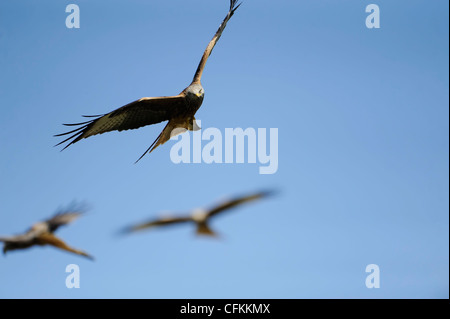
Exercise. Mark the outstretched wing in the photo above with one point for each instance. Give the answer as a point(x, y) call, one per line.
point(142, 112)
point(61, 219)
point(237, 201)
point(50, 239)
point(18, 239)
point(27, 238)
point(212, 43)
point(157, 222)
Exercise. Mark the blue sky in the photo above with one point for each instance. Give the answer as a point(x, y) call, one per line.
point(362, 118)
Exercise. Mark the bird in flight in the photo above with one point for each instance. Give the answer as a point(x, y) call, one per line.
point(200, 217)
point(41, 233)
point(179, 109)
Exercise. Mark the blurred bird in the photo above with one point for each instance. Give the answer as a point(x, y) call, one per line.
point(200, 216)
point(179, 110)
point(41, 234)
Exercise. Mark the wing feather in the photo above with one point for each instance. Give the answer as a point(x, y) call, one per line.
point(61, 219)
point(50, 239)
point(142, 112)
point(201, 66)
point(237, 201)
point(158, 222)
point(24, 238)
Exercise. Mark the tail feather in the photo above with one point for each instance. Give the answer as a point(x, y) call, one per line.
point(193, 126)
point(203, 229)
point(172, 128)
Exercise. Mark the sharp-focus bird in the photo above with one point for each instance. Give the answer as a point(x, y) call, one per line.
point(199, 216)
point(179, 110)
point(41, 234)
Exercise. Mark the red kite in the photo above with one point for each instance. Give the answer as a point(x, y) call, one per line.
point(179, 110)
point(41, 234)
point(200, 217)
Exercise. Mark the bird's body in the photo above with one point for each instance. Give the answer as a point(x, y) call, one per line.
point(41, 234)
point(179, 109)
point(200, 217)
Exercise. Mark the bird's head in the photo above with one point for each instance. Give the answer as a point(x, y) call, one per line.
point(199, 215)
point(195, 92)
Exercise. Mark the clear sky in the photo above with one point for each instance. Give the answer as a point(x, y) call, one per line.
point(363, 148)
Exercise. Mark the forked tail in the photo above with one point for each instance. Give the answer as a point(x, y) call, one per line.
point(173, 128)
point(203, 229)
